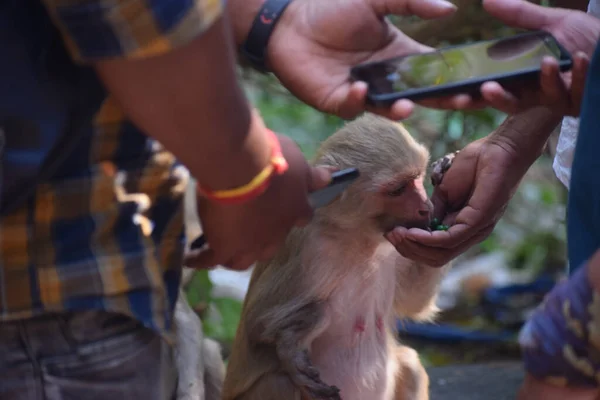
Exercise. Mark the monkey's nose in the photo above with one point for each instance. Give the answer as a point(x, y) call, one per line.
point(424, 212)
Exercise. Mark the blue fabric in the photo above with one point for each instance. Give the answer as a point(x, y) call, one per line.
point(583, 210)
point(74, 242)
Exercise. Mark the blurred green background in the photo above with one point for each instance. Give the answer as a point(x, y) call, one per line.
point(530, 237)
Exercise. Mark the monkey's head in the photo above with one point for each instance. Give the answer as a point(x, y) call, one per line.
point(392, 165)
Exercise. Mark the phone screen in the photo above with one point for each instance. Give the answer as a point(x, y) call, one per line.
point(457, 64)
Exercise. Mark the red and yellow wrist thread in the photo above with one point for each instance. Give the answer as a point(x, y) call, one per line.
point(258, 185)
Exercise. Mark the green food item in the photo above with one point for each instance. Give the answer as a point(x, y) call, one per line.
point(434, 224)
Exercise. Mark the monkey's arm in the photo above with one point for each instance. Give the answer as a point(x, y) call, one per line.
point(416, 289)
point(289, 329)
point(283, 313)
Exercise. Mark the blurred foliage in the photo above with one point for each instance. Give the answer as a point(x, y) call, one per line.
point(220, 315)
point(532, 231)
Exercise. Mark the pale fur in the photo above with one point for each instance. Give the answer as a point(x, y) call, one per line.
point(200, 367)
point(327, 274)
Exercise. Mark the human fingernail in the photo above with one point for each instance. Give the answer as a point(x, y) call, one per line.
point(360, 86)
point(581, 55)
point(444, 4)
point(321, 176)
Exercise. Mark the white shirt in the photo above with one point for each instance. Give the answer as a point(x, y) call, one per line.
point(569, 129)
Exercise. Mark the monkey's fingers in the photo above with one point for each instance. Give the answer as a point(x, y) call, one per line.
point(333, 393)
point(441, 166)
point(308, 378)
point(304, 374)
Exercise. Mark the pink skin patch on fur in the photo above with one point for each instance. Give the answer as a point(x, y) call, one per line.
point(379, 323)
point(360, 325)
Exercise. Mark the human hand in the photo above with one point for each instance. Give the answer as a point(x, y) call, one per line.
point(316, 42)
point(471, 198)
point(577, 31)
point(240, 235)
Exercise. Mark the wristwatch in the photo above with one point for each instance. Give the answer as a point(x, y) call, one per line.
point(254, 48)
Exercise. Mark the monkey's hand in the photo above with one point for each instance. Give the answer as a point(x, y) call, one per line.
point(440, 166)
point(288, 333)
point(304, 375)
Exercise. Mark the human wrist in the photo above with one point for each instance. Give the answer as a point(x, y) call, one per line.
point(525, 134)
point(242, 14)
point(259, 184)
point(255, 24)
point(240, 159)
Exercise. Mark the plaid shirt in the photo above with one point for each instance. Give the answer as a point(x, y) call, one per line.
point(106, 231)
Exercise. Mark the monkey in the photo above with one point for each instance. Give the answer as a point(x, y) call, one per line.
point(198, 359)
point(318, 319)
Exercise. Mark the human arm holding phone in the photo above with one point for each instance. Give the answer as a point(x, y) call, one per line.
point(576, 30)
point(523, 135)
point(315, 43)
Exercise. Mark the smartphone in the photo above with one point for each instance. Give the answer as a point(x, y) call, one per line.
point(340, 180)
point(458, 69)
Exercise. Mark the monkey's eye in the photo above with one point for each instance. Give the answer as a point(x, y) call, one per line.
point(397, 191)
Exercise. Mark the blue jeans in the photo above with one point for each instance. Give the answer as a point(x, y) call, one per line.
point(583, 209)
point(91, 355)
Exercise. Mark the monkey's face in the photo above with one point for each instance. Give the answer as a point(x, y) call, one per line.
point(389, 191)
point(403, 203)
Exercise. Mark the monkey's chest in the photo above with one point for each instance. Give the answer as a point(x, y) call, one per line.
point(352, 351)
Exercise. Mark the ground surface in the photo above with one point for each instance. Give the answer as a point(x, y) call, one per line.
point(494, 381)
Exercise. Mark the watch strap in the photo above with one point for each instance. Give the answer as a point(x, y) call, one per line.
point(254, 48)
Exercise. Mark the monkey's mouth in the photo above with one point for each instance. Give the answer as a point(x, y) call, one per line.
point(424, 224)
point(387, 223)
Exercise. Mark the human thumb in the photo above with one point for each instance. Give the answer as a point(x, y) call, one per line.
point(319, 178)
point(204, 259)
point(522, 14)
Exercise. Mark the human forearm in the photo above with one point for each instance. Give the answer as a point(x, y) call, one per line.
point(190, 100)
point(525, 134)
point(241, 14)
